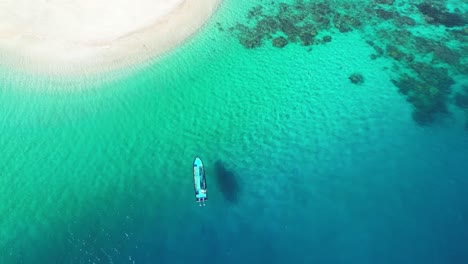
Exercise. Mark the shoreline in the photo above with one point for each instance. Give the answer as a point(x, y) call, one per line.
point(36, 54)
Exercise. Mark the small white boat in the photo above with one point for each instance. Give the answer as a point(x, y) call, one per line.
point(199, 181)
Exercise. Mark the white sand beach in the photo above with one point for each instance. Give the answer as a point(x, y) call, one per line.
point(70, 36)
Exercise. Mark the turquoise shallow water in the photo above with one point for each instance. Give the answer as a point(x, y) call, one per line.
point(303, 166)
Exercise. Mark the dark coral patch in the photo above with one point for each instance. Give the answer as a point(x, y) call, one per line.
point(280, 42)
point(395, 53)
point(385, 2)
point(428, 98)
point(384, 14)
point(405, 20)
point(356, 78)
point(438, 15)
point(326, 39)
point(461, 99)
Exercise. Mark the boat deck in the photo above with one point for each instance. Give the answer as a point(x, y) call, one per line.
point(199, 181)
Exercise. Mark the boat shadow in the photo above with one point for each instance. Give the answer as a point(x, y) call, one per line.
point(227, 182)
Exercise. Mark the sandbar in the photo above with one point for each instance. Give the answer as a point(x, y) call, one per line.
point(74, 36)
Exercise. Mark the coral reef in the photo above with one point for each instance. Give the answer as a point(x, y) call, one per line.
point(427, 99)
point(439, 15)
point(356, 78)
point(280, 42)
point(423, 62)
point(297, 23)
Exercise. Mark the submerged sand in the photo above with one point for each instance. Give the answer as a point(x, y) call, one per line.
point(67, 36)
